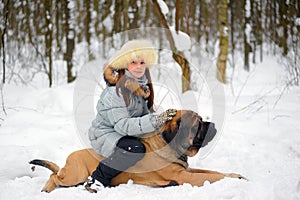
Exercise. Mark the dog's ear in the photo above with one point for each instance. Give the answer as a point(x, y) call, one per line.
point(171, 128)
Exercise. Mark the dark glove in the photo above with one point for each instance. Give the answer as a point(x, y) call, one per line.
point(165, 116)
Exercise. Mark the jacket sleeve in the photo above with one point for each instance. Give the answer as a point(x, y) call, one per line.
point(124, 124)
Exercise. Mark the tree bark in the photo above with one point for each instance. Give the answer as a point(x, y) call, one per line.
point(58, 19)
point(223, 37)
point(70, 43)
point(284, 24)
point(260, 40)
point(232, 30)
point(178, 15)
point(48, 39)
point(117, 17)
point(247, 47)
point(135, 12)
point(3, 33)
point(87, 25)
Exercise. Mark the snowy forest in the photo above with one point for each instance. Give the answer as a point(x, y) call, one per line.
point(35, 34)
point(234, 62)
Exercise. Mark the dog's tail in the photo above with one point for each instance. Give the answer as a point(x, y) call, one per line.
point(45, 163)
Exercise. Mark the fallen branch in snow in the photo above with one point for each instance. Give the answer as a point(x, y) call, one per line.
point(280, 116)
point(252, 104)
point(241, 90)
point(255, 102)
point(285, 88)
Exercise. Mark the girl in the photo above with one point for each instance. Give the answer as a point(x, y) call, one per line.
point(124, 112)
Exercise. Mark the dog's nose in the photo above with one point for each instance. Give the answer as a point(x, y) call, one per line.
point(210, 134)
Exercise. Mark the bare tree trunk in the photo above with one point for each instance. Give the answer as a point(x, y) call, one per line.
point(247, 47)
point(177, 55)
point(117, 17)
point(165, 25)
point(223, 36)
point(275, 24)
point(260, 40)
point(204, 24)
point(232, 30)
point(193, 7)
point(87, 24)
point(284, 24)
point(2, 47)
point(147, 15)
point(126, 20)
point(96, 9)
point(3, 33)
point(28, 28)
point(58, 20)
point(105, 11)
point(135, 12)
point(254, 28)
point(48, 38)
point(178, 15)
point(70, 37)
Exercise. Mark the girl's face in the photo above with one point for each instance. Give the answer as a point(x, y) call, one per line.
point(137, 67)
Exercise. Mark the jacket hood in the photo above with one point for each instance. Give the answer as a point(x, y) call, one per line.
point(132, 50)
point(111, 77)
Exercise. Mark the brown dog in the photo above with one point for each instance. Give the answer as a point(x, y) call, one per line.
point(164, 164)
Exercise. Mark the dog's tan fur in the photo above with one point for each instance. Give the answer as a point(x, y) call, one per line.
point(159, 167)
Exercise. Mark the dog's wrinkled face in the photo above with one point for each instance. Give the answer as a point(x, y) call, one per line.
point(186, 133)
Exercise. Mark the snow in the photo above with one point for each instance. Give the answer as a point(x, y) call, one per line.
point(248, 8)
point(163, 6)
point(248, 33)
point(259, 139)
point(297, 21)
point(71, 5)
point(182, 40)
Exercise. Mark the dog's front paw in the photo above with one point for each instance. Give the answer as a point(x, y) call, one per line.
point(234, 175)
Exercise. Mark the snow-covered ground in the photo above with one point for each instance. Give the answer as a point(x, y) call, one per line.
point(260, 139)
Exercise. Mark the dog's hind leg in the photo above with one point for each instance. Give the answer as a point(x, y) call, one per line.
point(50, 184)
point(62, 178)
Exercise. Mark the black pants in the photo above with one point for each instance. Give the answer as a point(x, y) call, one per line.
point(128, 152)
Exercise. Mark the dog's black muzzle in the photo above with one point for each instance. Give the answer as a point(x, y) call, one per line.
point(205, 135)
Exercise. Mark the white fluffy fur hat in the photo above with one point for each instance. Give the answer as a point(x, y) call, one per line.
point(132, 50)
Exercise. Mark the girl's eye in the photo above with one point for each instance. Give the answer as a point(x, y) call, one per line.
point(133, 62)
point(142, 63)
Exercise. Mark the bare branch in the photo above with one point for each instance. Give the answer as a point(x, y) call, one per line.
point(165, 25)
point(287, 85)
point(178, 56)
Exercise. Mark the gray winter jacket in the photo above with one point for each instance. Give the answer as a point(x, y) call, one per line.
point(114, 120)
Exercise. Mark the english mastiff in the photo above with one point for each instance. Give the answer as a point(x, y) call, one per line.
point(164, 164)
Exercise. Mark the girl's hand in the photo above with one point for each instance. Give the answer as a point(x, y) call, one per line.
point(165, 116)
